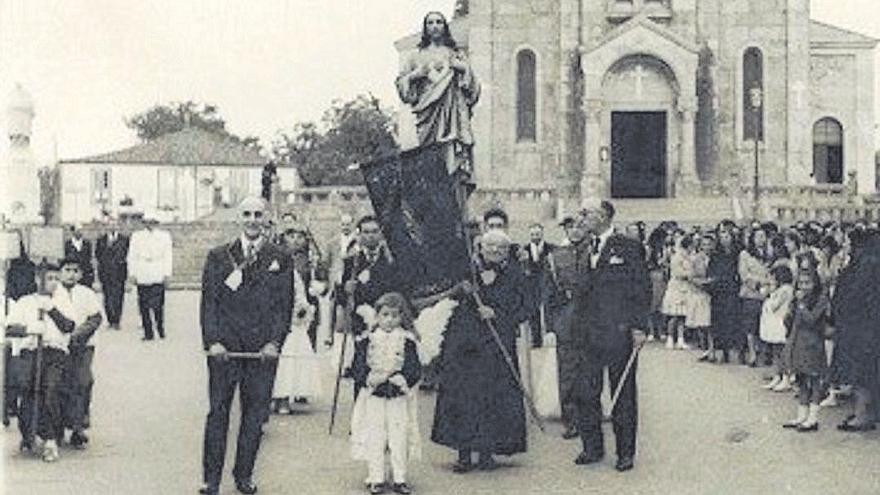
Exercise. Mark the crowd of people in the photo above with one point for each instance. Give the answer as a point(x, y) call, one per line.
point(800, 300)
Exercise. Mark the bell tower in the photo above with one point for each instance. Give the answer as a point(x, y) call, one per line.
point(18, 168)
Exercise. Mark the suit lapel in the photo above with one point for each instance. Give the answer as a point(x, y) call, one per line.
point(606, 251)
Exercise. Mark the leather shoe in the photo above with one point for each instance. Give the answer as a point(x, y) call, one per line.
point(246, 486)
point(401, 489)
point(487, 464)
point(209, 489)
point(570, 433)
point(624, 464)
point(808, 428)
point(461, 467)
point(586, 459)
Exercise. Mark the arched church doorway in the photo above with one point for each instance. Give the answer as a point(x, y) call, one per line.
point(639, 94)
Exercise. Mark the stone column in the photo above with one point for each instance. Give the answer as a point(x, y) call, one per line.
point(688, 181)
point(592, 183)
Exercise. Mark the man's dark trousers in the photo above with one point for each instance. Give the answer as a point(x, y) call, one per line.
point(589, 406)
point(151, 298)
point(113, 287)
point(253, 378)
point(568, 357)
point(51, 416)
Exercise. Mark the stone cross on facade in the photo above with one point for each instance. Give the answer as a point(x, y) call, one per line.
point(638, 75)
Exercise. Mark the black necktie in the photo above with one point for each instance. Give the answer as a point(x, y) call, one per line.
point(251, 253)
point(595, 244)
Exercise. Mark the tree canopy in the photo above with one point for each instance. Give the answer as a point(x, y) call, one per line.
point(350, 132)
point(173, 117)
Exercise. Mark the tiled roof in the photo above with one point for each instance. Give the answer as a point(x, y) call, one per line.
point(826, 34)
point(190, 146)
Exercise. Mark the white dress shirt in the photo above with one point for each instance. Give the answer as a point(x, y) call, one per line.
point(26, 312)
point(535, 250)
point(603, 238)
point(250, 247)
point(150, 256)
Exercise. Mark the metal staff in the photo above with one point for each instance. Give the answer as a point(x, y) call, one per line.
point(248, 355)
point(338, 382)
point(38, 384)
point(510, 366)
point(617, 390)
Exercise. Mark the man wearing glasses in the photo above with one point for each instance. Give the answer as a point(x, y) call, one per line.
point(246, 307)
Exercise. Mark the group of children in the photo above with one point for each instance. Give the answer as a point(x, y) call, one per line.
point(49, 380)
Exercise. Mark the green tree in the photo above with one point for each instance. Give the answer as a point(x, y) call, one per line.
point(351, 132)
point(173, 117)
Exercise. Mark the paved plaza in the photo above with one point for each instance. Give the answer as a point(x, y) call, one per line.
point(703, 430)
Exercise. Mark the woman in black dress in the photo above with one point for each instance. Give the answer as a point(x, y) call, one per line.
point(724, 285)
point(479, 405)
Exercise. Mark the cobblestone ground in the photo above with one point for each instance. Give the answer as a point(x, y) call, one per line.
point(703, 430)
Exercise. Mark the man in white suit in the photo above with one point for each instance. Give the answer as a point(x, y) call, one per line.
point(149, 267)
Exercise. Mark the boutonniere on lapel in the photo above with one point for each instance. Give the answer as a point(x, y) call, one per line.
point(488, 277)
point(275, 266)
point(234, 279)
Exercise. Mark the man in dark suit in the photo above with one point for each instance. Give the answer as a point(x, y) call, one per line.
point(371, 272)
point(80, 249)
point(537, 252)
point(245, 307)
point(111, 251)
point(367, 275)
point(611, 305)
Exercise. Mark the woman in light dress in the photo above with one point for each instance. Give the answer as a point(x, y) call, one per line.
point(678, 291)
point(699, 315)
point(298, 376)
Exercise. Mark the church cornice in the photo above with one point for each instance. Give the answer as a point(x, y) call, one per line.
point(824, 35)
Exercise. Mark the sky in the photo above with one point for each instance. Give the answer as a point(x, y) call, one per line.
point(266, 64)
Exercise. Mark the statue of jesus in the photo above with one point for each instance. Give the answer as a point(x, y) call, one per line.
point(437, 81)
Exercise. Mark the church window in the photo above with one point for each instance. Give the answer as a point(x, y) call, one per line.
point(753, 78)
point(526, 96)
point(828, 151)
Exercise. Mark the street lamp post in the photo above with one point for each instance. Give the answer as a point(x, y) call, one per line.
point(756, 98)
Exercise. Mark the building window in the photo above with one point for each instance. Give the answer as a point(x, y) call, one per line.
point(167, 189)
point(101, 185)
point(828, 151)
point(753, 77)
point(526, 96)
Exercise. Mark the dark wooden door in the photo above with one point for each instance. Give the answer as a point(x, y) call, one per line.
point(638, 154)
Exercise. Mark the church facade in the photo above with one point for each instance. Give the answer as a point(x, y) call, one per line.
point(667, 98)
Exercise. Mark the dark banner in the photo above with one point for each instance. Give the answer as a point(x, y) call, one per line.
point(414, 198)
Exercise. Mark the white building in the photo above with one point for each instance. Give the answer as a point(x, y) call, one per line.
point(179, 177)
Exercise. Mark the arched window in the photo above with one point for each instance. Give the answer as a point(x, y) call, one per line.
point(526, 96)
point(753, 78)
point(828, 151)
